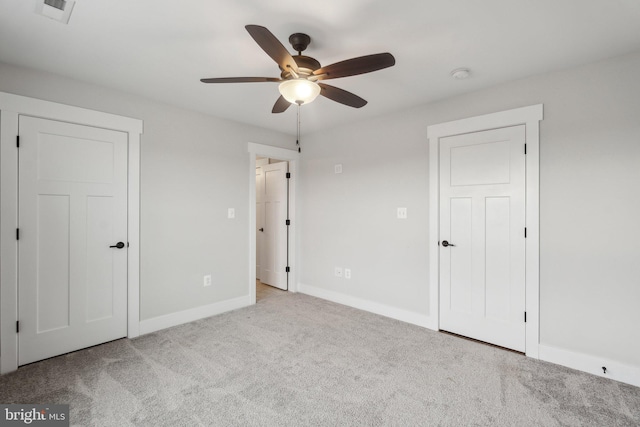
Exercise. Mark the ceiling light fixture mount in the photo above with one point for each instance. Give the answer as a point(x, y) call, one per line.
point(299, 42)
point(460, 73)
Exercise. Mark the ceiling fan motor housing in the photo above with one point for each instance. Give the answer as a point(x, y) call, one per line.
point(306, 66)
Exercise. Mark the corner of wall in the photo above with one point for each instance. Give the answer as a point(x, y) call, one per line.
point(178, 318)
point(382, 309)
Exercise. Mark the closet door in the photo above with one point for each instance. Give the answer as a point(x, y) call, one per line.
point(72, 246)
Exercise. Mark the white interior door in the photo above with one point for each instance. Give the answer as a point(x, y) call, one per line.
point(259, 217)
point(273, 260)
point(72, 208)
point(482, 241)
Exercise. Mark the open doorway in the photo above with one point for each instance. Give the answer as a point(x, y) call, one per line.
point(264, 291)
point(272, 222)
point(281, 276)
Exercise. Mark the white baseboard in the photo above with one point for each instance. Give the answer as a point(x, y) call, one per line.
point(373, 307)
point(186, 316)
point(591, 364)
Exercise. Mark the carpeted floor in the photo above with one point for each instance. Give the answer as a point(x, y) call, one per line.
point(296, 360)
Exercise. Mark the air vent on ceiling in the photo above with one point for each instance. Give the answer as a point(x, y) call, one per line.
point(58, 10)
point(58, 4)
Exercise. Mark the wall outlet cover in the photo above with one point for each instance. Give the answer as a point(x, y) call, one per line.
point(347, 273)
point(231, 213)
point(207, 280)
point(402, 213)
point(338, 168)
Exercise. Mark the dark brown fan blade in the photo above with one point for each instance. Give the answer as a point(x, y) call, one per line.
point(355, 66)
point(272, 46)
point(281, 105)
point(341, 96)
point(240, 80)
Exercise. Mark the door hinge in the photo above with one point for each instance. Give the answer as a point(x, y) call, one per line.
point(525, 317)
point(17, 234)
point(525, 232)
point(18, 141)
point(287, 269)
point(18, 327)
point(288, 175)
point(525, 148)
point(288, 222)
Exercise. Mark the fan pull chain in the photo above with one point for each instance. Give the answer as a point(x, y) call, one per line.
point(298, 130)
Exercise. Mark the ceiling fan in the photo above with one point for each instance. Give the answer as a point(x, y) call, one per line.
point(300, 74)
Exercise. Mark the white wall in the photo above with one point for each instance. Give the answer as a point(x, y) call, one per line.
point(589, 204)
point(193, 167)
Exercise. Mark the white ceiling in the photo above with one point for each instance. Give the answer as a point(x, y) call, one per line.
point(160, 49)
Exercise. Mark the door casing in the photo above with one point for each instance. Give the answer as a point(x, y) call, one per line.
point(11, 106)
point(530, 117)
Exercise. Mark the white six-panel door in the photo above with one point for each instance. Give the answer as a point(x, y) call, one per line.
point(72, 208)
point(482, 241)
point(273, 259)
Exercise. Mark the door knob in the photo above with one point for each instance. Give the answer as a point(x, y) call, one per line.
point(262, 229)
point(118, 245)
point(445, 243)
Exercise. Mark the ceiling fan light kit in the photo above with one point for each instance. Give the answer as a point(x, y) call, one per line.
point(300, 74)
point(299, 91)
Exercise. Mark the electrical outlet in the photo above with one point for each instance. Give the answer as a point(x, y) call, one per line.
point(347, 273)
point(338, 271)
point(402, 213)
point(207, 280)
point(337, 168)
point(231, 213)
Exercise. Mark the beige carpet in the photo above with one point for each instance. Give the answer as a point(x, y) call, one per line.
point(300, 361)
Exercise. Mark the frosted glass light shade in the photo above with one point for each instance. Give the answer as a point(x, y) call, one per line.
point(299, 91)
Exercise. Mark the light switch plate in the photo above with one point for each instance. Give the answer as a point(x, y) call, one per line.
point(402, 213)
point(231, 214)
point(338, 271)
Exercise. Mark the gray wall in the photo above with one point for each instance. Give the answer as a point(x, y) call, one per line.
point(589, 204)
point(193, 167)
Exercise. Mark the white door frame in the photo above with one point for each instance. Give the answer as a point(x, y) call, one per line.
point(11, 107)
point(530, 117)
point(293, 158)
